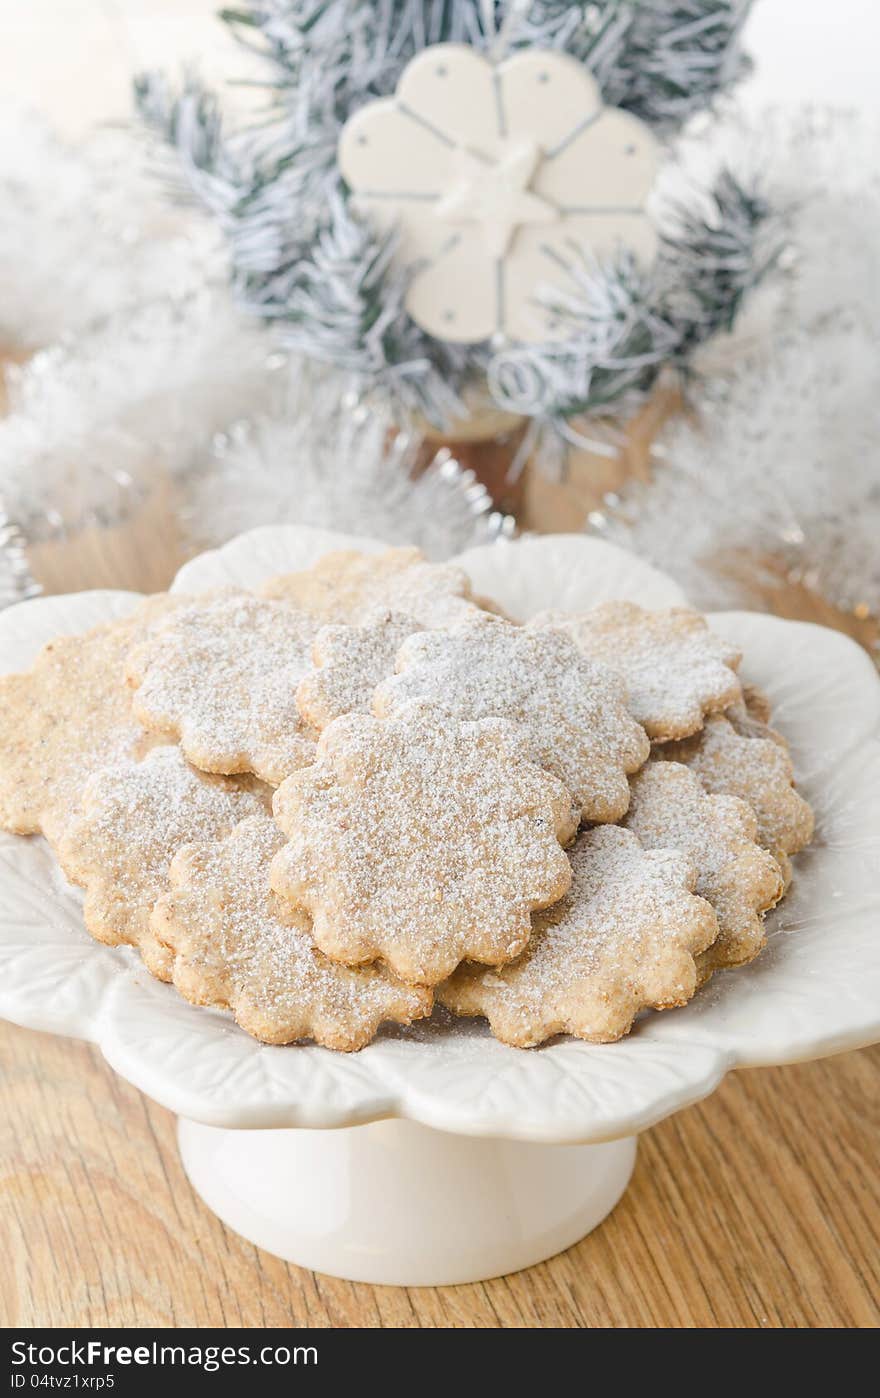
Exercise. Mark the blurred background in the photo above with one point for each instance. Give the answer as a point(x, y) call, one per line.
point(74, 58)
point(181, 360)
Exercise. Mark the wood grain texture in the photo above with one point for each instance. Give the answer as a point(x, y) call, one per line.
point(758, 1208)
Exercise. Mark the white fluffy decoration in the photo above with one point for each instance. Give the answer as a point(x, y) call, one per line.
point(323, 458)
point(93, 416)
point(87, 230)
point(784, 458)
point(16, 582)
point(129, 357)
point(141, 362)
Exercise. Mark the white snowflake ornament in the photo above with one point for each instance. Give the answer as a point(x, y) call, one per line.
point(494, 176)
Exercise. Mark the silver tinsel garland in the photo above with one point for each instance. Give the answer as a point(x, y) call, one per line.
point(341, 463)
point(92, 417)
point(778, 478)
point(86, 243)
point(16, 582)
point(86, 233)
point(116, 399)
point(186, 390)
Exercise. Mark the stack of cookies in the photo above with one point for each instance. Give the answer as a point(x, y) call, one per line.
point(361, 791)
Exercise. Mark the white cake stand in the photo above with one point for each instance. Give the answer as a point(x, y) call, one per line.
point(454, 1158)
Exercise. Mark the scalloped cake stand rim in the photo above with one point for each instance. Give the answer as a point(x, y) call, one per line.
point(346, 1090)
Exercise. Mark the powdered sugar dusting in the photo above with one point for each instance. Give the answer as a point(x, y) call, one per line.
point(221, 676)
point(347, 586)
point(571, 711)
point(421, 842)
point(233, 950)
point(70, 713)
point(425, 826)
point(624, 937)
point(758, 769)
point(670, 810)
point(350, 662)
point(675, 669)
point(135, 816)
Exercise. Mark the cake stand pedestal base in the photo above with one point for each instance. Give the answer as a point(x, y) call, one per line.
point(399, 1204)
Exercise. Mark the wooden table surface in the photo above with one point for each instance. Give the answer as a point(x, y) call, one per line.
point(758, 1207)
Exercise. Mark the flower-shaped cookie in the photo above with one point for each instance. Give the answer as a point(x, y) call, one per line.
point(421, 841)
point(572, 712)
point(221, 676)
point(67, 715)
point(349, 663)
point(624, 938)
point(231, 949)
point(675, 669)
point(758, 769)
point(671, 810)
point(347, 586)
point(494, 178)
point(750, 718)
point(135, 817)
